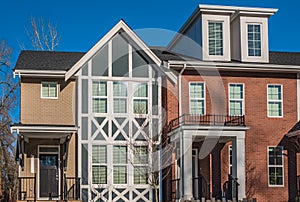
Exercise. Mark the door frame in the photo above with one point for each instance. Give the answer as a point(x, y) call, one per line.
point(38, 170)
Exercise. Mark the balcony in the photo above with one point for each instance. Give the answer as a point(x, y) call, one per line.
point(206, 120)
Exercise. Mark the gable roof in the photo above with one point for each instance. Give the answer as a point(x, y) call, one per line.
point(121, 25)
point(46, 60)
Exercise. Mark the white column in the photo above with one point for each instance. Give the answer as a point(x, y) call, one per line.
point(238, 164)
point(186, 167)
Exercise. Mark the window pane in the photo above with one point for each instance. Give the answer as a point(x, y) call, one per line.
point(274, 109)
point(275, 165)
point(99, 154)
point(196, 90)
point(120, 155)
point(99, 105)
point(215, 38)
point(99, 88)
point(140, 155)
point(120, 175)
point(120, 105)
point(100, 62)
point(274, 92)
point(236, 91)
point(140, 106)
point(120, 58)
point(99, 174)
point(139, 65)
point(140, 175)
point(141, 90)
point(49, 89)
point(254, 40)
point(120, 89)
point(197, 106)
point(236, 108)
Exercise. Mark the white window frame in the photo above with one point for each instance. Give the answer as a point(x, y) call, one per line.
point(204, 97)
point(275, 166)
point(222, 23)
point(135, 87)
point(225, 19)
point(120, 97)
point(100, 164)
point(261, 45)
point(49, 82)
point(281, 101)
point(99, 97)
point(140, 164)
point(120, 165)
point(234, 99)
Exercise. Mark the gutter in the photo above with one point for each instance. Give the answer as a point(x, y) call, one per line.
point(179, 88)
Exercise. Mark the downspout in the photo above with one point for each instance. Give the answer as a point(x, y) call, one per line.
point(179, 89)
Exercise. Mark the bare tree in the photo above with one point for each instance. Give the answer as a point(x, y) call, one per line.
point(8, 165)
point(43, 35)
point(153, 164)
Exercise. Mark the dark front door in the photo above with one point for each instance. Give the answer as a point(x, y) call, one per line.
point(49, 176)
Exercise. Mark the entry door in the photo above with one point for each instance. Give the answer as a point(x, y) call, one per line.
point(49, 175)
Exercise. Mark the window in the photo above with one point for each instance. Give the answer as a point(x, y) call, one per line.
point(230, 158)
point(49, 90)
point(236, 99)
point(215, 38)
point(275, 166)
point(254, 40)
point(99, 97)
point(274, 100)
point(120, 164)
point(120, 97)
point(140, 160)
point(140, 99)
point(99, 167)
point(197, 98)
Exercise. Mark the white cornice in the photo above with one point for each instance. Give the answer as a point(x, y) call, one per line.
point(236, 66)
point(39, 73)
point(44, 129)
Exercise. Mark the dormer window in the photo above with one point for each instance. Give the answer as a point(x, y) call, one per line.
point(215, 37)
point(254, 40)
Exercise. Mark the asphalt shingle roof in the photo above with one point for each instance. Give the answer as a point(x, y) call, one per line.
point(52, 60)
point(47, 60)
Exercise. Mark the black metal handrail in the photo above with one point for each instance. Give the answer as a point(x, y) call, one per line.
point(231, 188)
point(175, 194)
point(71, 188)
point(213, 120)
point(200, 187)
point(27, 188)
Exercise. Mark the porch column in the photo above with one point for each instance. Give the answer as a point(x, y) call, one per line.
point(238, 163)
point(186, 166)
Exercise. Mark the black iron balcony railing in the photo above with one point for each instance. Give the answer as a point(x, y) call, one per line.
point(208, 120)
point(27, 188)
point(71, 188)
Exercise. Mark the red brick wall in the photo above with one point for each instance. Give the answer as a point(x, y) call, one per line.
point(263, 131)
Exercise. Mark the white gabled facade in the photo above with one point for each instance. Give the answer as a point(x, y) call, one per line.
point(118, 96)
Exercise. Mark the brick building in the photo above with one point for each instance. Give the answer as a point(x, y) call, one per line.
point(231, 108)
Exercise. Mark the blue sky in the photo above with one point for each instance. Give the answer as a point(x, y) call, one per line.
point(82, 23)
